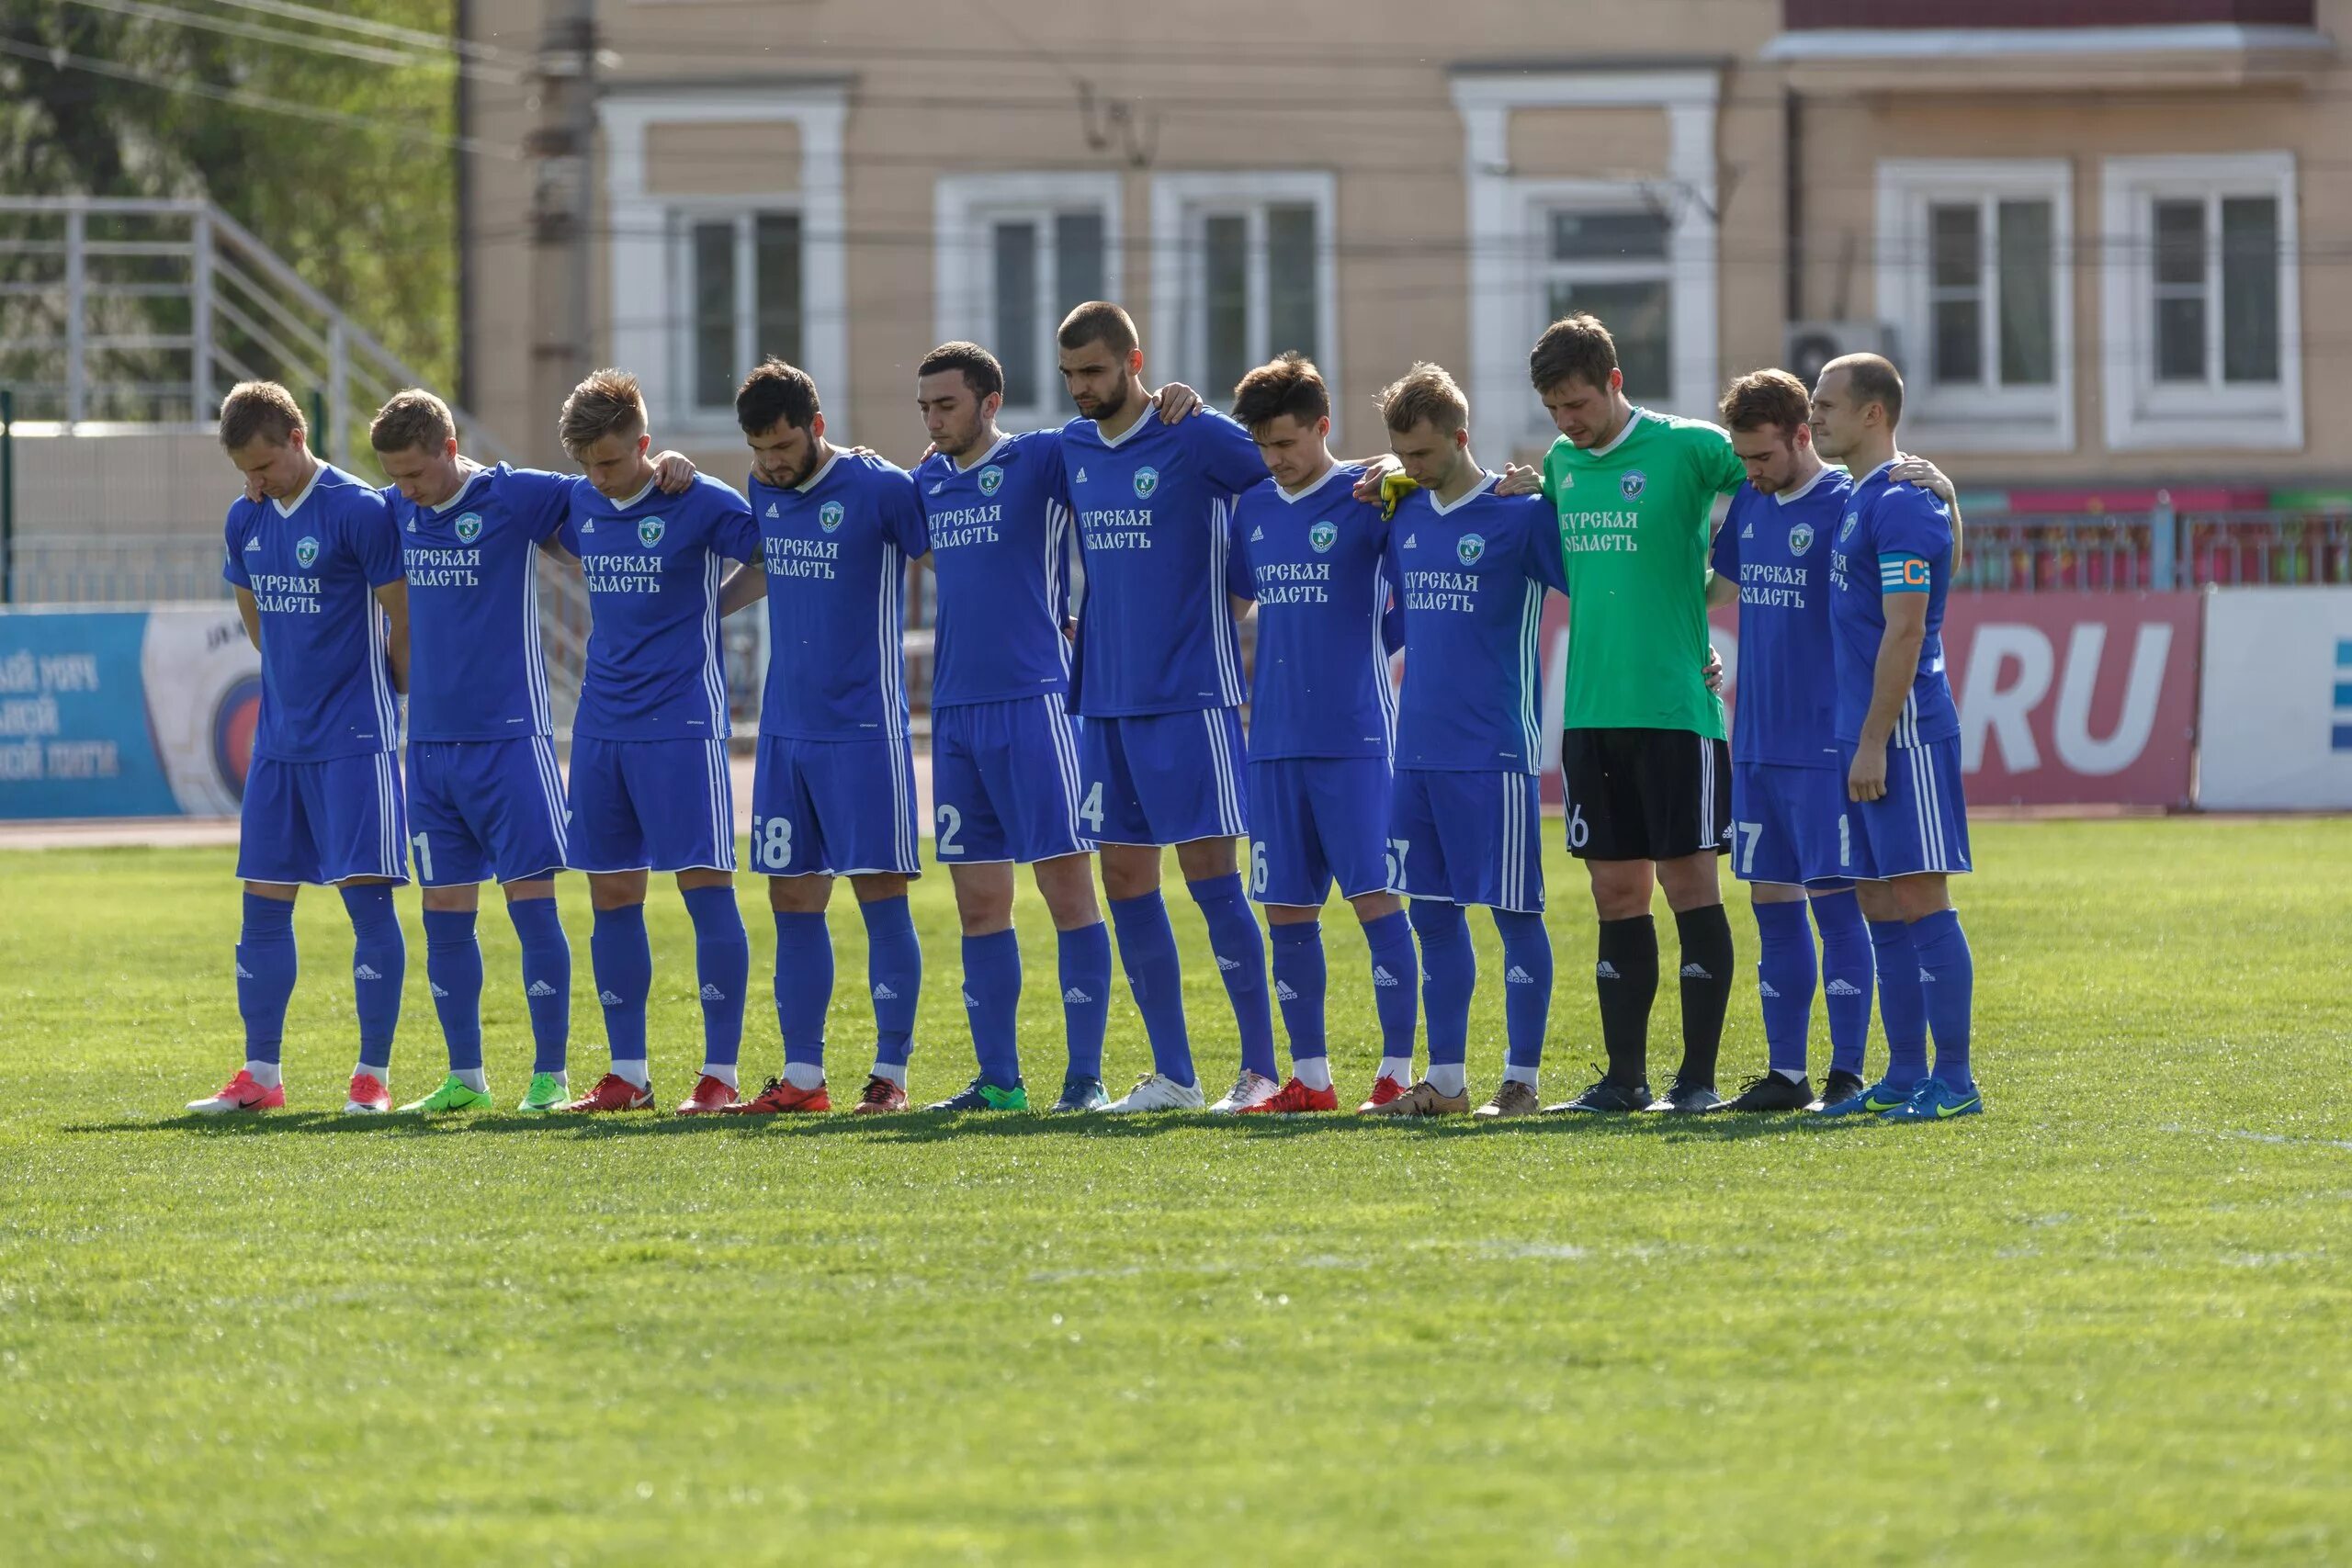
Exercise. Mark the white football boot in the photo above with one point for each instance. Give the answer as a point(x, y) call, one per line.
point(1157, 1091)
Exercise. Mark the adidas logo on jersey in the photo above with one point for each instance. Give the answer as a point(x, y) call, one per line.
point(772, 513)
point(1515, 976)
point(1748, 532)
point(934, 489)
point(588, 524)
point(883, 993)
point(1257, 536)
point(1380, 977)
point(1696, 972)
point(713, 993)
point(1283, 993)
point(1765, 988)
point(243, 972)
point(1844, 988)
point(608, 999)
point(412, 524)
point(252, 545)
point(1081, 477)
point(1227, 964)
point(1604, 970)
point(1412, 541)
point(437, 992)
point(367, 972)
point(1075, 995)
point(540, 988)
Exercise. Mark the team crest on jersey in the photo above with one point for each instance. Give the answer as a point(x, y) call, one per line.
point(1800, 539)
point(828, 516)
point(1634, 483)
point(1470, 547)
point(990, 478)
point(650, 532)
point(1323, 535)
point(307, 552)
point(1846, 529)
point(469, 528)
point(1146, 481)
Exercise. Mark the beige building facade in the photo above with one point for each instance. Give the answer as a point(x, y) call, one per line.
point(2104, 255)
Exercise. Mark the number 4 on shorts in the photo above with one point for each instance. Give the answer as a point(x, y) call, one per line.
point(1089, 810)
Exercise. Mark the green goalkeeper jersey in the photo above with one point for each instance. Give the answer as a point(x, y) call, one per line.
point(1635, 520)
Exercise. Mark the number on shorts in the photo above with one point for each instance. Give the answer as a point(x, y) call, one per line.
point(951, 822)
point(1579, 830)
point(1397, 848)
point(1744, 835)
point(1257, 868)
point(423, 856)
point(1845, 841)
point(1089, 810)
point(772, 841)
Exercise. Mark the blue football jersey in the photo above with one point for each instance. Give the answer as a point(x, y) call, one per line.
point(1472, 578)
point(1777, 549)
point(836, 548)
point(1318, 564)
point(653, 564)
point(477, 670)
point(1885, 518)
point(314, 568)
point(1000, 551)
point(1154, 509)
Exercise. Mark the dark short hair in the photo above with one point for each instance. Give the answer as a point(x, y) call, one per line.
point(1573, 348)
point(1874, 379)
point(259, 409)
point(1288, 385)
point(1425, 394)
point(1098, 321)
point(981, 371)
point(1765, 399)
point(773, 392)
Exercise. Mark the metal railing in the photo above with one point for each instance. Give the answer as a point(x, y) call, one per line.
point(2130, 552)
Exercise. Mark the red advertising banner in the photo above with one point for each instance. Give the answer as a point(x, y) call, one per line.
point(2065, 699)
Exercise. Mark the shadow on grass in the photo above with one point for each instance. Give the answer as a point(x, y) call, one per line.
point(937, 1126)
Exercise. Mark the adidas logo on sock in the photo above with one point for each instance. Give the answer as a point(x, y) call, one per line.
point(1696, 972)
point(1765, 986)
point(1380, 977)
point(713, 993)
point(1844, 988)
point(1075, 995)
point(540, 988)
point(1515, 976)
point(243, 972)
point(1227, 964)
point(367, 972)
point(608, 999)
point(970, 1000)
point(1604, 970)
point(883, 993)
point(1283, 993)
point(1926, 979)
point(437, 992)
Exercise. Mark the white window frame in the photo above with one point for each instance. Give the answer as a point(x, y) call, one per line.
point(1545, 198)
point(683, 217)
point(965, 210)
point(649, 307)
point(1988, 416)
point(1510, 250)
point(2142, 412)
point(1180, 205)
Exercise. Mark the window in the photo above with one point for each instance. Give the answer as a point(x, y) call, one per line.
point(1015, 253)
point(1971, 278)
point(2199, 307)
point(1615, 264)
point(743, 291)
point(1242, 271)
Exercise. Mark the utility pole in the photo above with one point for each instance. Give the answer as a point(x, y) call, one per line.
point(562, 147)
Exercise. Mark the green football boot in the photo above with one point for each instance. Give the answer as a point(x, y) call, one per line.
point(453, 1094)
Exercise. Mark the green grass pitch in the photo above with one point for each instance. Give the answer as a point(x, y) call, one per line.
point(2110, 1321)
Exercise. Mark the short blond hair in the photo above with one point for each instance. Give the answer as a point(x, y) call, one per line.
point(415, 421)
point(1425, 394)
point(609, 403)
point(256, 409)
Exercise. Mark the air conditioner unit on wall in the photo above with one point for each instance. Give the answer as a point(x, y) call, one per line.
point(1812, 344)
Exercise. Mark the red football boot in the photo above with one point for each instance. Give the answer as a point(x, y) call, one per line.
point(781, 1099)
point(711, 1095)
point(1295, 1099)
point(613, 1092)
point(241, 1093)
point(881, 1096)
point(1382, 1091)
point(369, 1096)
